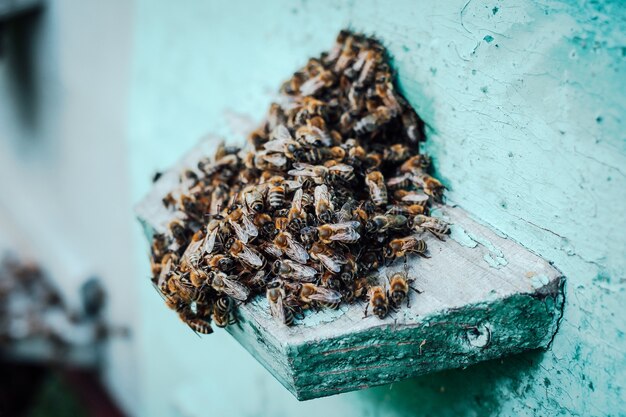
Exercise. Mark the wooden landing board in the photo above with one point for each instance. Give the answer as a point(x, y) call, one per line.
point(483, 296)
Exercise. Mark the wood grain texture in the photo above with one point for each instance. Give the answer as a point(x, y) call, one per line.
point(483, 296)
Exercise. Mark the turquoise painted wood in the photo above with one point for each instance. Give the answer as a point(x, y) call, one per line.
point(526, 108)
point(482, 297)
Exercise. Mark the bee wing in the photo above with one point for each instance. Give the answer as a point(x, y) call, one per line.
point(295, 251)
point(281, 133)
point(239, 231)
point(421, 199)
point(302, 272)
point(347, 235)
point(345, 213)
point(341, 168)
point(276, 159)
point(210, 240)
point(397, 180)
point(332, 263)
point(302, 170)
point(235, 289)
point(409, 243)
point(338, 227)
point(376, 190)
point(192, 253)
point(291, 185)
point(251, 256)
point(297, 199)
point(326, 295)
point(249, 227)
point(278, 310)
point(321, 193)
point(272, 249)
point(275, 145)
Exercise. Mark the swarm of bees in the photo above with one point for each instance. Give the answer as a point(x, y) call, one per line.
point(330, 187)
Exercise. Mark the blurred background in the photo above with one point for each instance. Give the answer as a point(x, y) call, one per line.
point(525, 104)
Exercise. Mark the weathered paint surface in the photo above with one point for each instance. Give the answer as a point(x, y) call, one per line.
point(466, 313)
point(526, 104)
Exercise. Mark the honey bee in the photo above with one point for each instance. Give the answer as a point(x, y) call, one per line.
point(373, 121)
point(168, 201)
point(329, 258)
point(184, 289)
point(229, 285)
point(340, 232)
point(355, 290)
point(383, 223)
point(253, 200)
point(311, 155)
point(312, 294)
point(313, 85)
point(416, 165)
point(413, 197)
point(211, 168)
point(222, 309)
point(408, 210)
point(331, 280)
point(276, 296)
point(346, 175)
point(242, 225)
point(431, 186)
point(318, 173)
point(438, 227)
point(178, 231)
point(401, 182)
point(296, 214)
point(377, 188)
point(265, 224)
point(313, 133)
point(399, 286)
point(219, 197)
point(308, 235)
point(378, 301)
point(323, 204)
point(221, 263)
point(287, 244)
point(196, 324)
point(294, 270)
point(400, 247)
point(245, 254)
point(276, 196)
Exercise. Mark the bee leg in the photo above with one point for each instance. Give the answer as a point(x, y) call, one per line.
point(416, 290)
point(365, 312)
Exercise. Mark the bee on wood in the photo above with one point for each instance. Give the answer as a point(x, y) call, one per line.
point(431, 186)
point(276, 296)
point(377, 188)
point(416, 165)
point(310, 294)
point(378, 300)
point(438, 227)
point(400, 247)
point(399, 286)
point(222, 311)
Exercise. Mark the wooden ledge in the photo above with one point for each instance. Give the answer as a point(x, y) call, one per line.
point(484, 296)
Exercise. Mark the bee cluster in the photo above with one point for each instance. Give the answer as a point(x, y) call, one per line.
point(331, 187)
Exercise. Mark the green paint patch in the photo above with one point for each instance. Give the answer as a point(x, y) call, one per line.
point(458, 234)
point(488, 38)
